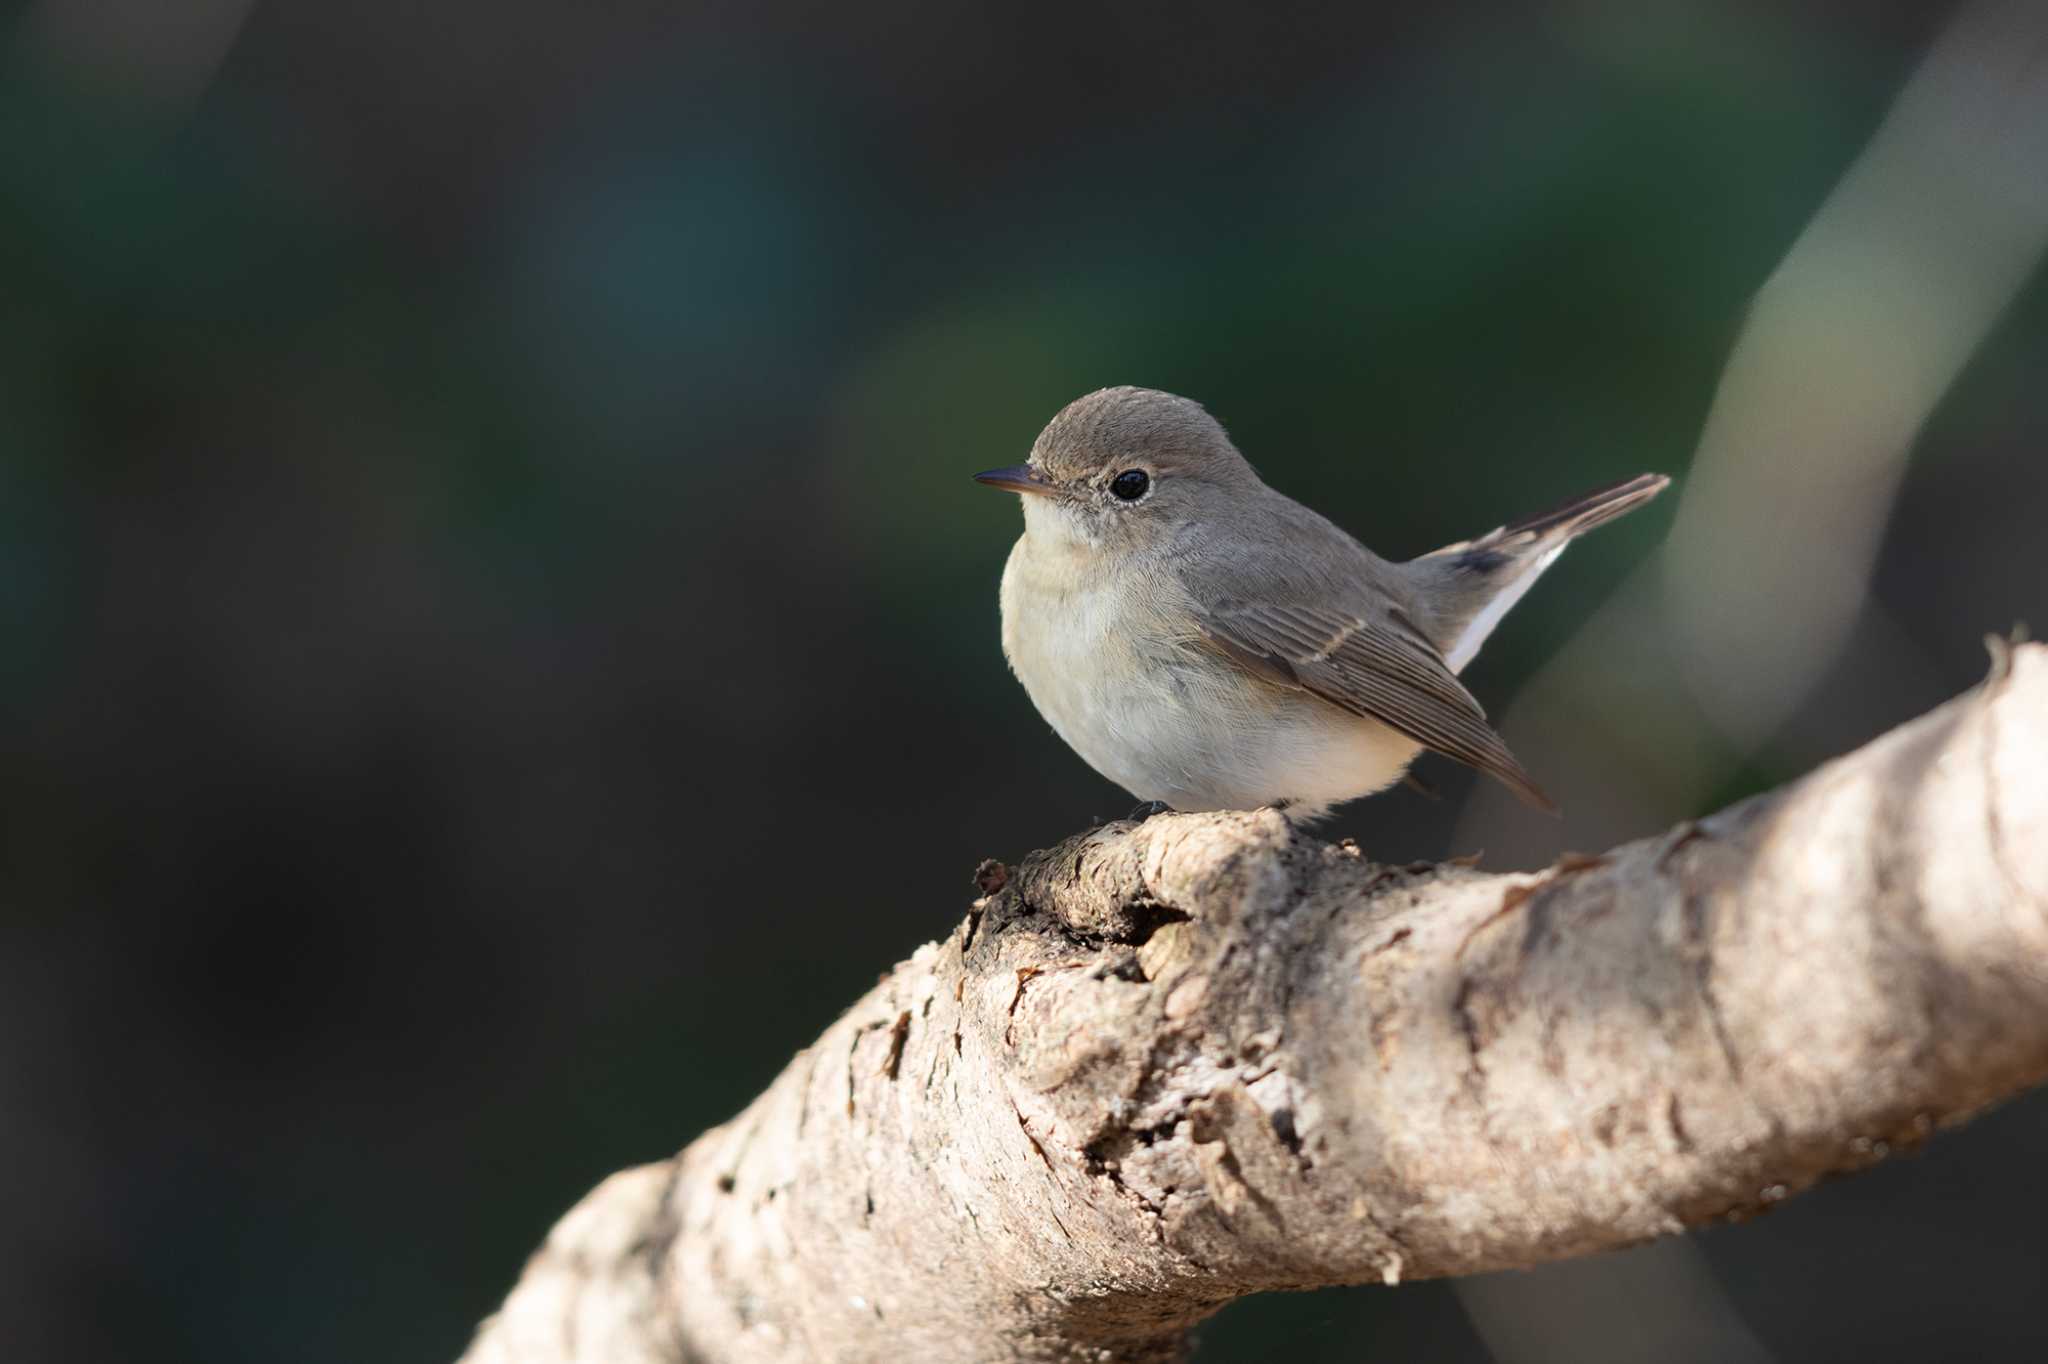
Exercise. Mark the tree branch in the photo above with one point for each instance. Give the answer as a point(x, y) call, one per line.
point(1170, 1064)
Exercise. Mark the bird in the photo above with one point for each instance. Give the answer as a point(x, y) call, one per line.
point(1208, 643)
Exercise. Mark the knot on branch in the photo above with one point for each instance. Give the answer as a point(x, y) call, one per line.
point(1119, 882)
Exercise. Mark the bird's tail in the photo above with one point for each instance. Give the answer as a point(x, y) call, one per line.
point(1576, 516)
point(1469, 586)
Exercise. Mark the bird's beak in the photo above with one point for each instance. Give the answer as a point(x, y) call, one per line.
point(1018, 478)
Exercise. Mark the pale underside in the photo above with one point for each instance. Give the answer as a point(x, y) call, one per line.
point(1167, 720)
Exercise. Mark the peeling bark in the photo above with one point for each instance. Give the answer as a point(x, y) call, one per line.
point(1165, 1065)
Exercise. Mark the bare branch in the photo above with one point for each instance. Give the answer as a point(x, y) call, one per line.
point(1166, 1065)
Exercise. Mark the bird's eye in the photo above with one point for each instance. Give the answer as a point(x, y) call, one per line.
point(1130, 485)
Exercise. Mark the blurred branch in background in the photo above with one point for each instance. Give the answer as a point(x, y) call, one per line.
point(1849, 347)
point(1711, 647)
point(1851, 344)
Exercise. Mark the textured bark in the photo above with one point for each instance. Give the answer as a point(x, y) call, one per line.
point(1169, 1064)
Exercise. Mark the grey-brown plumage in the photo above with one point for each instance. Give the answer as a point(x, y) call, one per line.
point(1460, 581)
point(1211, 643)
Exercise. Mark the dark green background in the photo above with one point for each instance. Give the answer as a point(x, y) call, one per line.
point(500, 646)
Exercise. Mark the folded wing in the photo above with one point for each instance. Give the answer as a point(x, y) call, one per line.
point(1376, 664)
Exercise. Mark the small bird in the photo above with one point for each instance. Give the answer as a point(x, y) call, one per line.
point(1207, 643)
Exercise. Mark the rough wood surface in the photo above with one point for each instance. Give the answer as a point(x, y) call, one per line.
point(1161, 1066)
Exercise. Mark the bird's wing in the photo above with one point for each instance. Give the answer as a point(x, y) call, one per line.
point(1374, 663)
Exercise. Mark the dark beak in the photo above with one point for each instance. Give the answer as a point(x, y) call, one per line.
point(1018, 478)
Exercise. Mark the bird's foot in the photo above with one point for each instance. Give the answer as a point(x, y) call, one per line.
point(1420, 787)
point(1281, 806)
point(1140, 813)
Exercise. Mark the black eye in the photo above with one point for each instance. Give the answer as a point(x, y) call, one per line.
point(1130, 485)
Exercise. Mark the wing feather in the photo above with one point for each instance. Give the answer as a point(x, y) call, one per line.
point(1379, 666)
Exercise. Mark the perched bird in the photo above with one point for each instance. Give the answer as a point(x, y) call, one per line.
point(1207, 643)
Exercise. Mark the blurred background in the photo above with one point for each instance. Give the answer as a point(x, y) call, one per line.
point(498, 645)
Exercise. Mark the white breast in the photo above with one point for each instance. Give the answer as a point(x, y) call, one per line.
point(1165, 720)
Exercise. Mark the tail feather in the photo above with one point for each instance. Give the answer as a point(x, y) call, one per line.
point(1580, 514)
point(1571, 518)
point(1470, 585)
